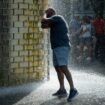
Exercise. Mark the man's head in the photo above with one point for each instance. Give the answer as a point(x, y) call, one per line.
point(50, 12)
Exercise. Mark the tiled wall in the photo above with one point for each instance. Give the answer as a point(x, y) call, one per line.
point(23, 53)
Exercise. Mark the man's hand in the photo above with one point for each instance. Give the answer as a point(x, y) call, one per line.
point(45, 23)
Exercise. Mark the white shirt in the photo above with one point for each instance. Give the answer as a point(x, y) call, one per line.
point(86, 30)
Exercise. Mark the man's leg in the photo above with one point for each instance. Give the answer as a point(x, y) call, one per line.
point(60, 59)
point(73, 91)
point(62, 91)
point(58, 71)
point(90, 50)
point(96, 49)
point(81, 49)
point(60, 77)
point(68, 75)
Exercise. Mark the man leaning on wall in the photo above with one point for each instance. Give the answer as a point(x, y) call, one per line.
point(61, 49)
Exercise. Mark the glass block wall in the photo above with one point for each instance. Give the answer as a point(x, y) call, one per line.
point(23, 51)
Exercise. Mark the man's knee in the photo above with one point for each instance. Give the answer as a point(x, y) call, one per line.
point(57, 68)
point(61, 68)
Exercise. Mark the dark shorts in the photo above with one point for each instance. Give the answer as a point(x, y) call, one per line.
point(61, 56)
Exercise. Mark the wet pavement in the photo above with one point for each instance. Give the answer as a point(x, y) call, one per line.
point(91, 87)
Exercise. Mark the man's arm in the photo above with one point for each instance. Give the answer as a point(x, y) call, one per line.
point(45, 23)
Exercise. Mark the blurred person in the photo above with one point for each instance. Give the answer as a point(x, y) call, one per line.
point(85, 38)
point(74, 27)
point(93, 36)
point(99, 25)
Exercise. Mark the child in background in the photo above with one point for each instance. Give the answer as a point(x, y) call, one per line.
point(85, 38)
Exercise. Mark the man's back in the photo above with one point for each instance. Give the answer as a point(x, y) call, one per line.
point(99, 26)
point(58, 32)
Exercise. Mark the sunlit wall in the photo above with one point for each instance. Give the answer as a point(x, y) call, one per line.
point(22, 42)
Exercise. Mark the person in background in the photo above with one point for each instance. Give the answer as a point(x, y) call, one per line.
point(93, 36)
point(74, 27)
point(61, 49)
point(99, 25)
point(85, 38)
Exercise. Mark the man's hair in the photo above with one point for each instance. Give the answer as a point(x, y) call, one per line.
point(52, 10)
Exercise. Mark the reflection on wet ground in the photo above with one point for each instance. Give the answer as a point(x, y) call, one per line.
point(89, 83)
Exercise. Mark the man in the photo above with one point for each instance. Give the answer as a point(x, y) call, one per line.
point(99, 25)
point(60, 47)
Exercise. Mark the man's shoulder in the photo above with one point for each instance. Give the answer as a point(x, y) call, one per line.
point(58, 17)
point(99, 21)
